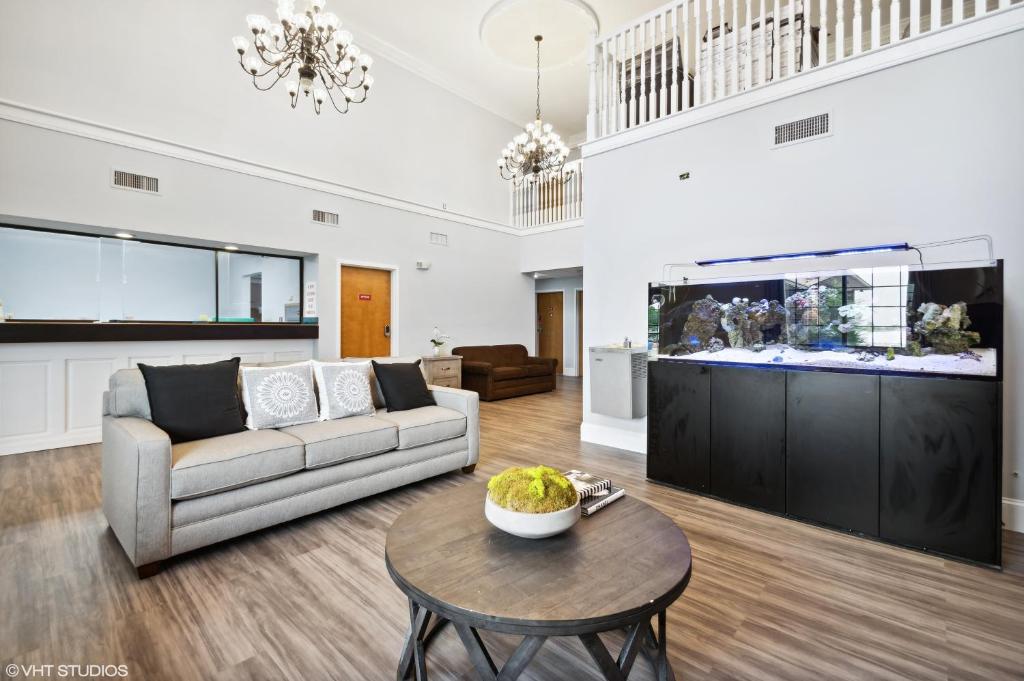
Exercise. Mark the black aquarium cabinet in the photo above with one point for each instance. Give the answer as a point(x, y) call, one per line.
point(913, 461)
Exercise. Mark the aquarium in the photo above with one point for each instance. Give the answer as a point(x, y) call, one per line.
point(906, 319)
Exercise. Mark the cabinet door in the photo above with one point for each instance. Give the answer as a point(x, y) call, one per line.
point(678, 424)
point(940, 449)
point(832, 449)
point(748, 436)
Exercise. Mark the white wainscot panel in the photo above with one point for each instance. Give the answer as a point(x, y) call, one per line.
point(205, 359)
point(85, 381)
point(157, 360)
point(251, 357)
point(24, 392)
point(292, 356)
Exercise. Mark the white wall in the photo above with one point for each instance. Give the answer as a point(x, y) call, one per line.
point(568, 286)
point(928, 150)
point(554, 250)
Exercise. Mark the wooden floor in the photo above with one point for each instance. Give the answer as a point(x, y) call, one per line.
point(770, 598)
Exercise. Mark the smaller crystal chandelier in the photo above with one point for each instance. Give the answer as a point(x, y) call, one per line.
point(537, 153)
point(328, 64)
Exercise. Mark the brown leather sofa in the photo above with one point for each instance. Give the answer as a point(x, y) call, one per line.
point(500, 371)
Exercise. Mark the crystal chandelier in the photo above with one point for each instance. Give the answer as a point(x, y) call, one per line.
point(537, 153)
point(328, 64)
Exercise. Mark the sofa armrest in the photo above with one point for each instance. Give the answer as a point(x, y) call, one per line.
point(549, 361)
point(482, 368)
point(136, 471)
point(468, 403)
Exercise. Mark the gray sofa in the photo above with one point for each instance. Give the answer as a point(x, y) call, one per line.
point(162, 500)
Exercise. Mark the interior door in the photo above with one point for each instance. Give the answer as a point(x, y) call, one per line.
point(365, 312)
point(549, 326)
point(579, 334)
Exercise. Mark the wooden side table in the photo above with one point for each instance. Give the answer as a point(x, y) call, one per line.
point(443, 370)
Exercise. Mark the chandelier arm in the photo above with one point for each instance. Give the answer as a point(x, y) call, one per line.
point(264, 89)
point(330, 96)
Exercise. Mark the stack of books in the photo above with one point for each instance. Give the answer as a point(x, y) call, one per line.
point(595, 493)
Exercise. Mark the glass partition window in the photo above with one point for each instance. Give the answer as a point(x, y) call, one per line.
point(70, 277)
point(258, 288)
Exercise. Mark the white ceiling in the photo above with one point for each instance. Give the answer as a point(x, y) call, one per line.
point(493, 67)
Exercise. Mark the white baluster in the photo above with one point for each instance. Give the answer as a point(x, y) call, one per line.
point(621, 49)
point(823, 33)
point(735, 46)
point(894, 21)
point(936, 15)
point(857, 31)
point(710, 84)
point(632, 112)
point(791, 52)
point(915, 17)
point(775, 43)
point(644, 116)
point(673, 91)
point(958, 11)
point(876, 23)
point(763, 57)
point(1003, 4)
point(805, 48)
point(667, 75)
point(748, 79)
point(592, 95)
point(698, 85)
point(722, 76)
point(840, 33)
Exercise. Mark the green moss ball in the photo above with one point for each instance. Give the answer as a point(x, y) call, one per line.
point(539, 489)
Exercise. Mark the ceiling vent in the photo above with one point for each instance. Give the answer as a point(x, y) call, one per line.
point(438, 239)
point(324, 217)
point(122, 179)
point(803, 130)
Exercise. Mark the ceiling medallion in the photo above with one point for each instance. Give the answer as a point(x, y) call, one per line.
point(538, 153)
point(328, 64)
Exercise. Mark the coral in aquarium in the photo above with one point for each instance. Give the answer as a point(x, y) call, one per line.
point(736, 321)
point(945, 328)
point(764, 315)
point(702, 323)
point(715, 344)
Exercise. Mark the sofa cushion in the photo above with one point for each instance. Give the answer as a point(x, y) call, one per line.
point(347, 439)
point(538, 370)
point(276, 397)
point(507, 373)
point(221, 463)
point(343, 389)
point(194, 401)
point(378, 394)
point(403, 385)
point(424, 425)
point(127, 395)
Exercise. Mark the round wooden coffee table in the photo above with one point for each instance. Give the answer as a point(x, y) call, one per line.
point(615, 570)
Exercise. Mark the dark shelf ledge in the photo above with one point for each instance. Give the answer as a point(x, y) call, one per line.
point(88, 332)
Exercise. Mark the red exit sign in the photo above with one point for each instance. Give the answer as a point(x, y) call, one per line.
point(364, 296)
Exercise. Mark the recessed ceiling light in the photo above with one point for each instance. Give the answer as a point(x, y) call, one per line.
point(231, 248)
point(124, 235)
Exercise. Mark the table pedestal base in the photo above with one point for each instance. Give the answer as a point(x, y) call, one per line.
point(640, 639)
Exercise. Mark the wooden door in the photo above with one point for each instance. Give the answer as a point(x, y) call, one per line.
point(549, 326)
point(365, 312)
point(580, 359)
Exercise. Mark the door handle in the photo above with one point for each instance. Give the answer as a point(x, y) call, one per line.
point(387, 331)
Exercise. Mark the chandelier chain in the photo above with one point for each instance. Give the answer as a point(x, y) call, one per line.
point(538, 77)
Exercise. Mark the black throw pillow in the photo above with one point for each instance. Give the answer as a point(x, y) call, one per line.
point(403, 386)
point(194, 401)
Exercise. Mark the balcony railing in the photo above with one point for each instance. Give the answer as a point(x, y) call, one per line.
point(692, 52)
point(559, 199)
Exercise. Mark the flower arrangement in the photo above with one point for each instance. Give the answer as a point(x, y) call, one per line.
point(539, 489)
point(438, 340)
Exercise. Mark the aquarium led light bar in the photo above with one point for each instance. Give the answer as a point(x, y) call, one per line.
point(857, 250)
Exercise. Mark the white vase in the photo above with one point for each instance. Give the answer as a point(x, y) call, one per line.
point(437, 351)
point(531, 525)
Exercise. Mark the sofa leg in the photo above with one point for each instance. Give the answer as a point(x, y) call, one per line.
point(469, 469)
point(150, 569)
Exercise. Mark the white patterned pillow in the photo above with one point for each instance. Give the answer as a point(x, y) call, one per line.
point(344, 389)
point(275, 397)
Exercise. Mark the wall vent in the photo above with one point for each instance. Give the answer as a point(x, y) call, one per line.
point(802, 130)
point(325, 218)
point(140, 183)
point(438, 239)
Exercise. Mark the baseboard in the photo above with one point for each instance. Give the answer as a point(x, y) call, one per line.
point(85, 436)
point(1013, 514)
point(570, 371)
point(614, 437)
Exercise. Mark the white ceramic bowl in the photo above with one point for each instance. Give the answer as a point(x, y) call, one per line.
point(531, 525)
